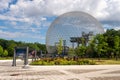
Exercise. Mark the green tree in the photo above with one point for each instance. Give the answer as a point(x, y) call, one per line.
point(10, 44)
point(5, 53)
point(116, 46)
point(90, 51)
point(33, 46)
point(40, 46)
point(60, 47)
point(1, 51)
point(80, 51)
point(113, 42)
point(71, 52)
point(101, 45)
point(10, 49)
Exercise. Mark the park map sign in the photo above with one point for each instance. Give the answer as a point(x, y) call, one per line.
point(20, 52)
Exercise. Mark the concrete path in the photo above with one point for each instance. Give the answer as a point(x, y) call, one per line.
point(73, 72)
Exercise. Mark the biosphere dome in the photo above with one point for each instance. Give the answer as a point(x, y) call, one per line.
point(71, 24)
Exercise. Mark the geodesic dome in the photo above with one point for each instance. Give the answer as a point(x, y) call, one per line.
point(71, 24)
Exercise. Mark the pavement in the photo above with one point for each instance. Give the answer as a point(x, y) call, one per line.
point(65, 72)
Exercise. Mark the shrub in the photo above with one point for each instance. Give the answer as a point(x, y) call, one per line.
point(61, 61)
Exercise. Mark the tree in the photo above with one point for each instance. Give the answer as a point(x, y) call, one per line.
point(5, 53)
point(101, 45)
point(59, 46)
point(10, 44)
point(41, 46)
point(33, 46)
point(80, 51)
point(71, 52)
point(116, 46)
point(1, 51)
point(10, 49)
point(90, 51)
point(113, 42)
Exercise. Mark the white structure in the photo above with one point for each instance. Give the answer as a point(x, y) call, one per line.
point(71, 24)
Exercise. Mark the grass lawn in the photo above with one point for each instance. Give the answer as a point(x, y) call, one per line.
point(105, 61)
point(6, 58)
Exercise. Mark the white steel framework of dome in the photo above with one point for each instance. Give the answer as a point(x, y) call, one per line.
point(71, 24)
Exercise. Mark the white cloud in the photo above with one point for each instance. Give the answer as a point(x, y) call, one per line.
point(33, 11)
point(101, 9)
point(11, 35)
point(111, 25)
point(114, 10)
point(117, 28)
point(11, 18)
point(43, 19)
point(4, 4)
point(6, 34)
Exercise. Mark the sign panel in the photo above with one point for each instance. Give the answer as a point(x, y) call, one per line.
point(20, 51)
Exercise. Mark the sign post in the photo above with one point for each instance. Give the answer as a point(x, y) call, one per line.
point(26, 57)
point(21, 52)
point(14, 58)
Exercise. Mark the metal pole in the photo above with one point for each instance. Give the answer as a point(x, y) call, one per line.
point(26, 57)
point(73, 45)
point(35, 55)
point(14, 58)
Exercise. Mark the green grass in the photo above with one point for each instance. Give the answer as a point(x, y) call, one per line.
point(104, 61)
point(107, 62)
point(6, 58)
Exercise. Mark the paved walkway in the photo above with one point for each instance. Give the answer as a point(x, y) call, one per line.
point(73, 72)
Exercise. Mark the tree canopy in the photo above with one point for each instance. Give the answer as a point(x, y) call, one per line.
point(102, 45)
point(7, 46)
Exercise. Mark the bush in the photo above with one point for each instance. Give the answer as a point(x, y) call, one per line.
point(61, 61)
point(92, 63)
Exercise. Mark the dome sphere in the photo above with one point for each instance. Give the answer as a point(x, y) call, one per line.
point(71, 24)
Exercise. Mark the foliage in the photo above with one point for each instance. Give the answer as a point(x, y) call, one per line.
point(90, 51)
point(113, 41)
point(10, 44)
point(85, 61)
point(6, 58)
point(61, 61)
point(80, 51)
point(59, 46)
point(71, 52)
point(117, 46)
point(106, 62)
point(1, 50)
point(5, 53)
point(105, 45)
point(10, 48)
point(101, 45)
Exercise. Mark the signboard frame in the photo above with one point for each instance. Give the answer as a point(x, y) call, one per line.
point(24, 53)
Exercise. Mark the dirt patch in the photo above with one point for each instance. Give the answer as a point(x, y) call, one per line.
point(14, 74)
point(73, 79)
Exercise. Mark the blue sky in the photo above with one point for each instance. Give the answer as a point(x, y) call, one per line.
point(28, 20)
